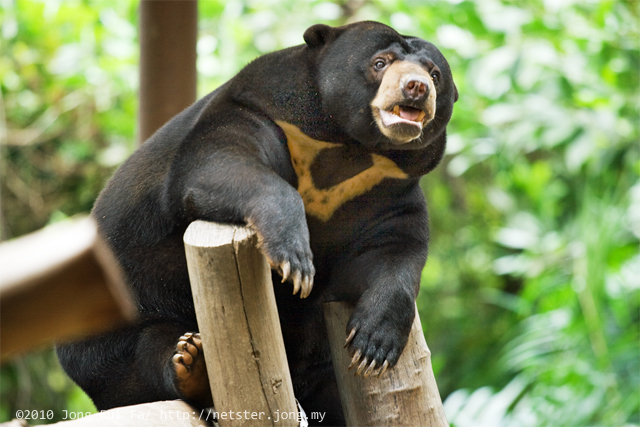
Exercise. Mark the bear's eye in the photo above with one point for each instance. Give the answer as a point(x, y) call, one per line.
point(379, 64)
point(435, 77)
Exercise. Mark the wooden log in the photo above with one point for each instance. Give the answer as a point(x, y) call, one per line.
point(239, 324)
point(405, 395)
point(57, 284)
point(168, 413)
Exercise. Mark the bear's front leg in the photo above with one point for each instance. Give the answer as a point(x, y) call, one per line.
point(384, 283)
point(234, 185)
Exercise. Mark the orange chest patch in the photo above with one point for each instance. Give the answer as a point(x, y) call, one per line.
point(322, 203)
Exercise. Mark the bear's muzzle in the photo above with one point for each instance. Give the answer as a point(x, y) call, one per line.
point(405, 102)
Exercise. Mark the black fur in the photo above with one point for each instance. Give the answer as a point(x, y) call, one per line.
point(225, 159)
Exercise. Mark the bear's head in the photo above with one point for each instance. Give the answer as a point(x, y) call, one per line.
point(385, 90)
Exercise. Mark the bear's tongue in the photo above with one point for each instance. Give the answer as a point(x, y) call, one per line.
point(407, 113)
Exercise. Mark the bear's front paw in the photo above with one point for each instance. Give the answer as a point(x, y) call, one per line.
point(191, 370)
point(376, 342)
point(292, 259)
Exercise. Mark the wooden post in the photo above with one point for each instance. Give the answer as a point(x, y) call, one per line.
point(238, 320)
point(168, 77)
point(405, 395)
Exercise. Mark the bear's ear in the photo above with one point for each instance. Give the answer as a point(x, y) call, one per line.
point(318, 35)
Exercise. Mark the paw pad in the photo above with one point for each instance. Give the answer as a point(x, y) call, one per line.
point(191, 370)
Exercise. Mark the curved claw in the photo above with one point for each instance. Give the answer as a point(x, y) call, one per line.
point(350, 338)
point(383, 368)
point(362, 365)
point(285, 269)
point(369, 369)
point(307, 284)
point(355, 359)
point(296, 282)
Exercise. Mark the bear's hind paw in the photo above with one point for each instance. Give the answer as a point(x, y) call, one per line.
point(191, 370)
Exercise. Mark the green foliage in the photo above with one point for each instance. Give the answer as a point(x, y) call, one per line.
point(68, 72)
point(535, 216)
point(530, 299)
point(37, 382)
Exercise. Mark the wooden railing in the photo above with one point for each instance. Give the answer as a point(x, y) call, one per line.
point(238, 321)
point(244, 350)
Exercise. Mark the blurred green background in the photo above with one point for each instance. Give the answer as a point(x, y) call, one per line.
point(530, 299)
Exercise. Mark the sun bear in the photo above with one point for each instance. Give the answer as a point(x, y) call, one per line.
point(319, 148)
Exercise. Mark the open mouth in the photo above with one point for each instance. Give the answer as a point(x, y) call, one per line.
point(402, 114)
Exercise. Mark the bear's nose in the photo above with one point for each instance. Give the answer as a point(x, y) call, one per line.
point(416, 89)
